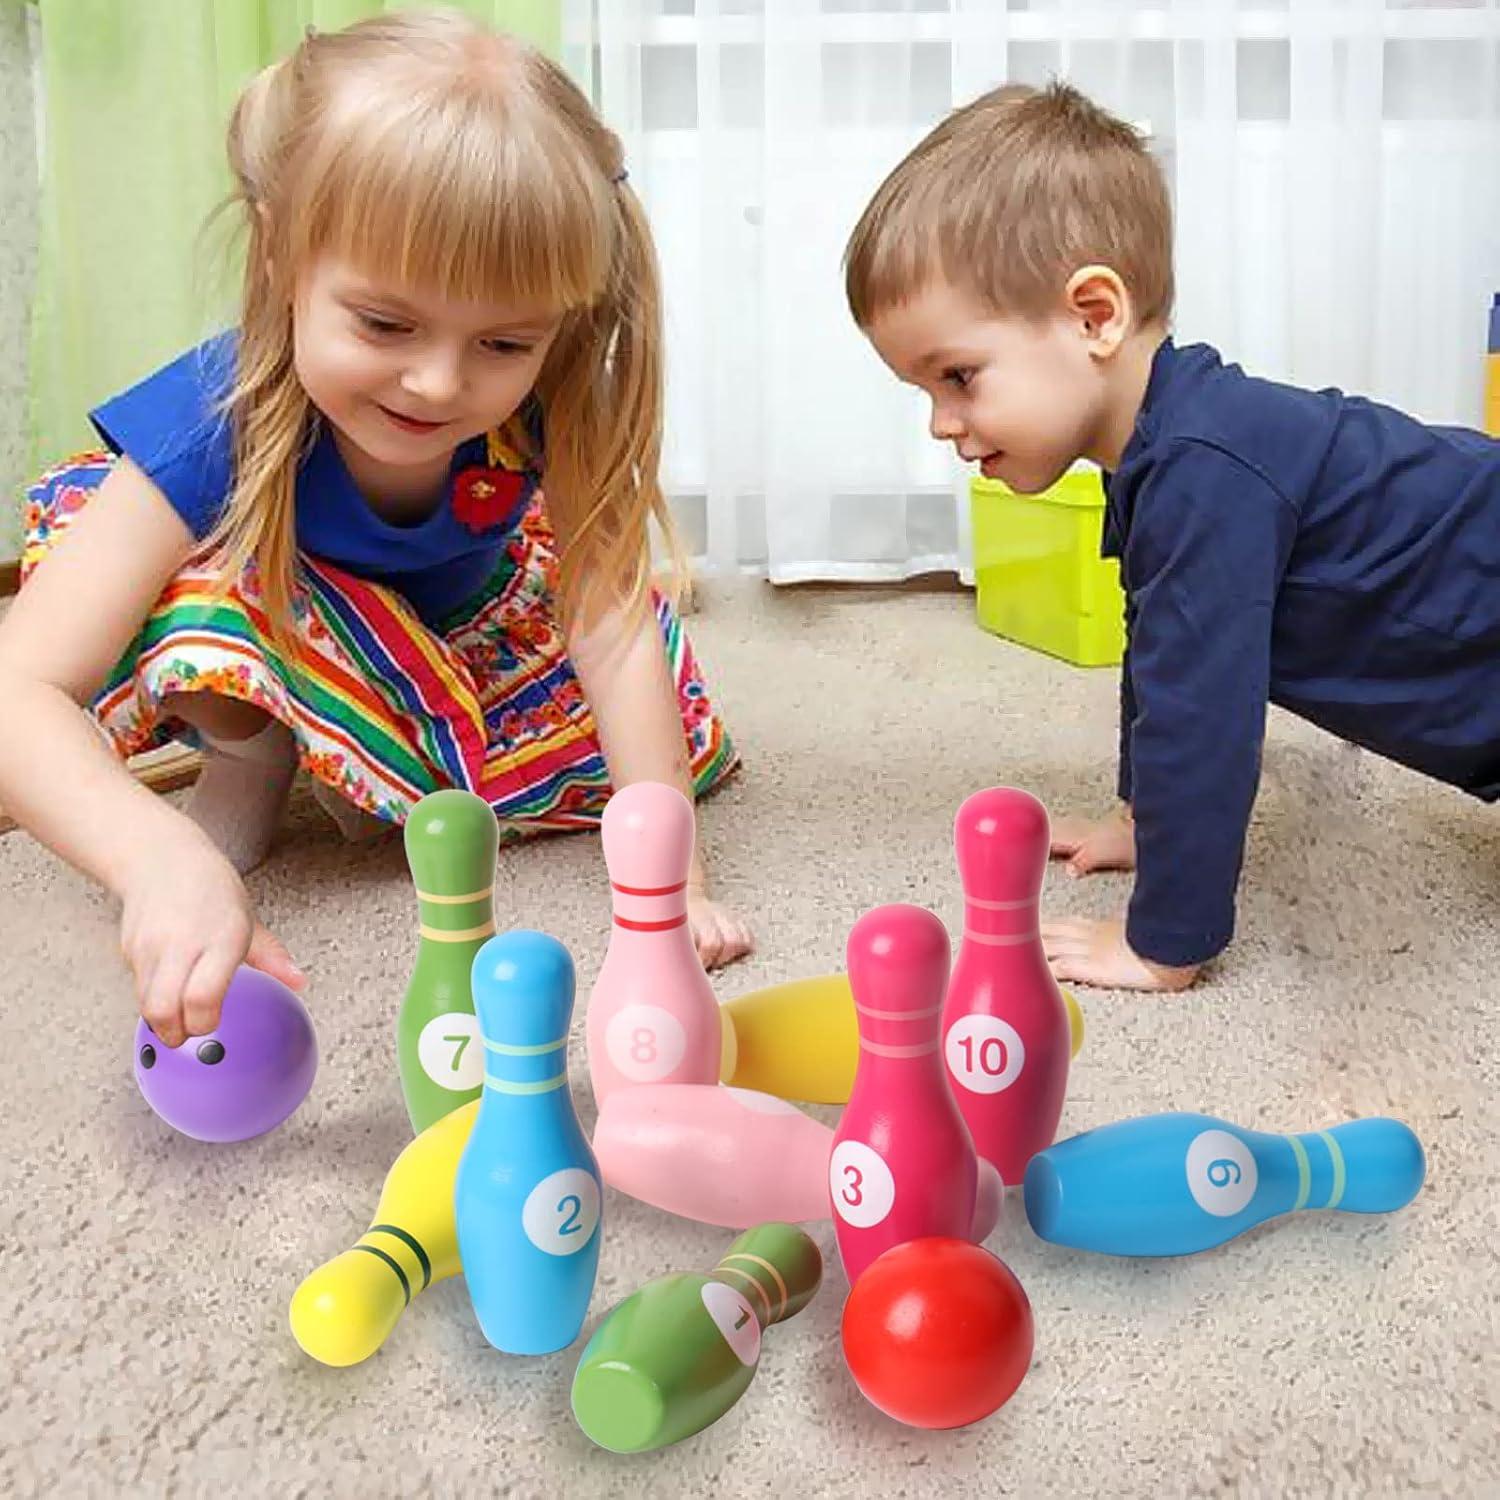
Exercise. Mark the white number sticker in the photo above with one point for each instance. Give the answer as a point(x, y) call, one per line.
point(735, 1319)
point(1221, 1173)
point(562, 1211)
point(984, 1053)
point(645, 1042)
point(860, 1183)
point(451, 1051)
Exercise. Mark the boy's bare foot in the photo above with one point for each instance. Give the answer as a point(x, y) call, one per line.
point(1089, 845)
point(1091, 952)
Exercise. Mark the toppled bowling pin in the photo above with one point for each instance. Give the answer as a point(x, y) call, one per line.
point(527, 1196)
point(1174, 1183)
point(798, 1040)
point(345, 1310)
point(903, 1164)
point(451, 837)
point(1005, 1025)
point(723, 1156)
point(652, 1015)
point(676, 1355)
point(730, 1156)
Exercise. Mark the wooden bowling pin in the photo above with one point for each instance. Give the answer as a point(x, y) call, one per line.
point(1006, 1037)
point(652, 1015)
point(676, 1355)
point(798, 1040)
point(451, 838)
point(903, 1163)
point(345, 1310)
point(527, 1195)
point(730, 1156)
point(724, 1156)
point(1175, 1183)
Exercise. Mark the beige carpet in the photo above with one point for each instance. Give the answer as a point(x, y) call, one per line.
point(145, 1277)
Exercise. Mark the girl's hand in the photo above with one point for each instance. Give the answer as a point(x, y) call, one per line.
point(1091, 952)
point(718, 934)
point(1108, 844)
point(185, 926)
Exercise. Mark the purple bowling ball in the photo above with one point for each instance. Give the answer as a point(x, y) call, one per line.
point(242, 1079)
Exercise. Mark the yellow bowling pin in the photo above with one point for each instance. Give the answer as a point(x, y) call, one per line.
point(799, 1041)
point(345, 1310)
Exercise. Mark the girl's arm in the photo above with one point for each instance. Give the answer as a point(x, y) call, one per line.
point(622, 667)
point(186, 922)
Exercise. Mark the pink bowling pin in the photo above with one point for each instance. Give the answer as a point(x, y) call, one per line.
point(903, 1164)
point(721, 1155)
point(652, 1015)
point(730, 1156)
point(1005, 1027)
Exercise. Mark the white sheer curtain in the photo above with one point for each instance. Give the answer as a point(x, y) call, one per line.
point(1334, 165)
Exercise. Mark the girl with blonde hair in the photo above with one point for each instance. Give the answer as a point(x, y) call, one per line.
point(322, 539)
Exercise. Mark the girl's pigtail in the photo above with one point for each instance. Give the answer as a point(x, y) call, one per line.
point(604, 431)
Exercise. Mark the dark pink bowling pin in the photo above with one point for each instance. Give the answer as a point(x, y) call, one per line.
point(1005, 1027)
point(903, 1164)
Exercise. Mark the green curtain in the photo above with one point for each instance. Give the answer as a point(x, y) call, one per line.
point(137, 95)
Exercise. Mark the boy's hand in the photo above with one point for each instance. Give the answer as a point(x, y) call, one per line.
point(185, 926)
point(1092, 952)
point(718, 934)
point(1108, 844)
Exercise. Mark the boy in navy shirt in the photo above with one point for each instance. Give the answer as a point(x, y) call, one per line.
point(1309, 549)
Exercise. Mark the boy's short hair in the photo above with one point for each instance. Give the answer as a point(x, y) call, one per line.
point(1007, 197)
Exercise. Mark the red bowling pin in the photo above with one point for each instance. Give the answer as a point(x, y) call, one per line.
point(1005, 1027)
point(652, 1015)
point(903, 1165)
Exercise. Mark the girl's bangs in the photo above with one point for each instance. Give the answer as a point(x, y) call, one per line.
point(470, 213)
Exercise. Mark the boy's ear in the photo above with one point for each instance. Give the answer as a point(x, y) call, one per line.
point(1099, 303)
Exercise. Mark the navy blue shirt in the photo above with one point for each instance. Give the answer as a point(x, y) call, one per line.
point(173, 428)
point(1310, 549)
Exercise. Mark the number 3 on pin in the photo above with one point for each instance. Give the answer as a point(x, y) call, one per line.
point(860, 1184)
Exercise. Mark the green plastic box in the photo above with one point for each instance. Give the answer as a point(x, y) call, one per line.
point(1041, 580)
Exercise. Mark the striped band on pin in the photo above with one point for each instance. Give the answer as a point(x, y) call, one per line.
point(1337, 1157)
point(505, 1086)
point(412, 1243)
point(974, 901)
point(1304, 1172)
point(391, 1261)
point(750, 1281)
point(769, 1269)
point(883, 1049)
point(639, 890)
point(631, 925)
point(437, 900)
point(457, 934)
point(899, 1015)
point(506, 1050)
point(1000, 939)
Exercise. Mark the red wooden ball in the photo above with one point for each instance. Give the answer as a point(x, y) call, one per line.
point(938, 1333)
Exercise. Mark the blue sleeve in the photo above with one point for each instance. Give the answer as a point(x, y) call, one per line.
point(1204, 562)
point(1125, 779)
point(170, 426)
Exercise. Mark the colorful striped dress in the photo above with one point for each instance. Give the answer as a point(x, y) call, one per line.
point(388, 703)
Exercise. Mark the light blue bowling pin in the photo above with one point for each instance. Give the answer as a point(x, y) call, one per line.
point(527, 1195)
point(1172, 1184)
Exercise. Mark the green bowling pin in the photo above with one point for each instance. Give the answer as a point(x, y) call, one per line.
point(677, 1354)
point(451, 837)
